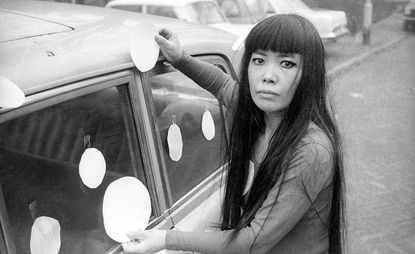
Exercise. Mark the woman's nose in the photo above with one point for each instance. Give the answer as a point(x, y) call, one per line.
point(270, 76)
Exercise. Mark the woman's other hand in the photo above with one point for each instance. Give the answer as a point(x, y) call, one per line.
point(149, 241)
point(169, 45)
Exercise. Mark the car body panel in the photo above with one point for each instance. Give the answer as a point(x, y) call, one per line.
point(56, 64)
point(24, 27)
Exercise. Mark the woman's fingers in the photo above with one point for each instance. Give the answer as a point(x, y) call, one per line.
point(149, 241)
point(165, 33)
point(169, 45)
point(139, 234)
point(162, 41)
point(132, 247)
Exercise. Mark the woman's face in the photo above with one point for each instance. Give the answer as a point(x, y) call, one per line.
point(273, 78)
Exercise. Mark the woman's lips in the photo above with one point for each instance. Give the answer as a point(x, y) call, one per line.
point(267, 92)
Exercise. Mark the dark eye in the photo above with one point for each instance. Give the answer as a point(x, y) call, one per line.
point(288, 64)
point(258, 61)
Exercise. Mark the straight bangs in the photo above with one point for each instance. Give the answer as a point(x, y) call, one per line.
point(288, 35)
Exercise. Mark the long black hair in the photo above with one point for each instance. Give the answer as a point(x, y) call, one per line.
point(285, 33)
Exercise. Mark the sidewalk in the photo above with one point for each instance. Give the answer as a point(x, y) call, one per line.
point(349, 50)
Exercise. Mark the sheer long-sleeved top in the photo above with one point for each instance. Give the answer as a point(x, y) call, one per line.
point(294, 222)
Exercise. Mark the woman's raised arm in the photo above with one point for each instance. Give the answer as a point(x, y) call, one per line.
point(206, 75)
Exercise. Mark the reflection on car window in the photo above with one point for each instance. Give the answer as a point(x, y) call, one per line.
point(136, 8)
point(205, 13)
point(39, 157)
point(230, 8)
point(259, 8)
point(166, 11)
point(178, 99)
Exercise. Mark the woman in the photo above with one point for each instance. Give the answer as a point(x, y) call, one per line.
point(283, 135)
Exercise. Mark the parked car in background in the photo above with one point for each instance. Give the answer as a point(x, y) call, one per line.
point(197, 11)
point(409, 16)
point(237, 11)
point(329, 23)
point(82, 90)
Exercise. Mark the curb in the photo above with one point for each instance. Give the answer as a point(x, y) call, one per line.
point(356, 60)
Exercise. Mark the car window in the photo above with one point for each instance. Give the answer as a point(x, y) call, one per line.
point(136, 8)
point(279, 7)
point(178, 100)
point(259, 8)
point(39, 157)
point(230, 8)
point(205, 13)
point(166, 11)
point(298, 5)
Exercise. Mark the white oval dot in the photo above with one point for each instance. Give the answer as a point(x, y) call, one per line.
point(92, 167)
point(175, 142)
point(144, 50)
point(126, 207)
point(208, 125)
point(45, 237)
point(11, 96)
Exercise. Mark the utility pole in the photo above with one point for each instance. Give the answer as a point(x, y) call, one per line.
point(367, 21)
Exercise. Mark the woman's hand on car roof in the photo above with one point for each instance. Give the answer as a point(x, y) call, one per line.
point(169, 45)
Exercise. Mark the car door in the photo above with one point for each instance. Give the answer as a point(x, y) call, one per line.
point(41, 145)
point(195, 178)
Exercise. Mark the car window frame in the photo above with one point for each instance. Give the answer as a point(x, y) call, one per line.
point(131, 78)
point(195, 196)
point(6, 243)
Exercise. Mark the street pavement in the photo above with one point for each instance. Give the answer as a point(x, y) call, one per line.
point(349, 50)
point(374, 95)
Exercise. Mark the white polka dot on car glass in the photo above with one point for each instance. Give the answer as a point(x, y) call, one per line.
point(175, 142)
point(45, 237)
point(208, 125)
point(92, 167)
point(126, 207)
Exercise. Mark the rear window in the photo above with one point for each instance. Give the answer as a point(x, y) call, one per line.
point(165, 11)
point(205, 13)
point(136, 8)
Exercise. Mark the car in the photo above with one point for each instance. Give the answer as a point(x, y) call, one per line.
point(409, 16)
point(198, 11)
point(80, 90)
point(237, 11)
point(330, 24)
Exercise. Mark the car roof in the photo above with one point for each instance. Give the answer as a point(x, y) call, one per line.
point(72, 42)
point(156, 2)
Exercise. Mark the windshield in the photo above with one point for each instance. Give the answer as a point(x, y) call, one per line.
point(285, 6)
point(297, 5)
point(205, 13)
